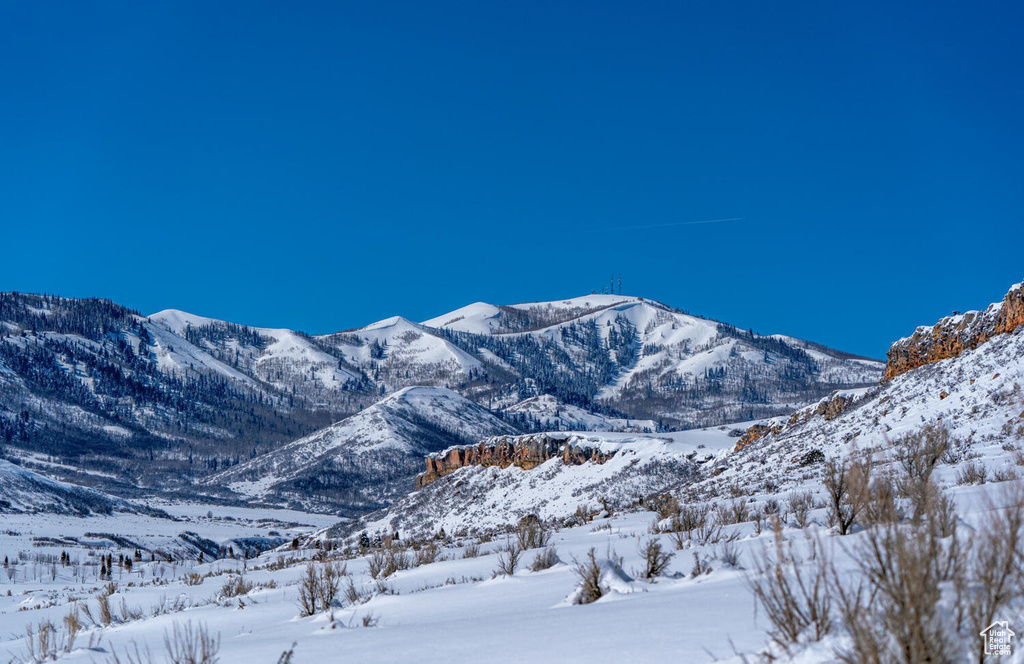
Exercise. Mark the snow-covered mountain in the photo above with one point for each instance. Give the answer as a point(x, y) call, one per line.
point(136, 404)
point(547, 413)
point(620, 470)
point(23, 491)
point(369, 458)
point(973, 388)
point(648, 361)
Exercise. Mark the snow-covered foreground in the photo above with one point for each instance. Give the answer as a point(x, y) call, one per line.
point(451, 610)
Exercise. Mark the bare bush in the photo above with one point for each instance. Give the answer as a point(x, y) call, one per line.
point(531, 534)
point(846, 482)
point(972, 473)
point(396, 560)
point(700, 566)
point(41, 642)
point(794, 592)
point(187, 644)
point(589, 573)
point(103, 602)
point(426, 555)
point(319, 587)
point(800, 505)
point(919, 453)
point(508, 559)
point(236, 586)
point(899, 617)
point(728, 553)
point(72, 626)
point(995, 566)
point(375, 563)
point(308, 590)
point(666, 506)
point(690, 518)
point(471, 550)
point(545, 559)
point(353, 594)
point(1008, 474)
point(881, 505)
point(655, 558)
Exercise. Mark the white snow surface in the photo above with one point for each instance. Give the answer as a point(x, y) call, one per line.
point(457, 609)
point(403, 425)
point(552, 414)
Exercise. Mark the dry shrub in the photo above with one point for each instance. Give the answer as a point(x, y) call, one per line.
point(728, 553)
point(353, 594)
point(800, 505)
point(846, 483)
point(103, 602)
point(508, 559)
point(667, 506)
point(236, 586)
point(545, 559)
point(893, 614)
point(700, 566)
point(531, 534)
point(41, 642)
point(793, 591)
point(972, 473)
point(589, 573)
point(187, 644)
point(375, 563)
point(319, 587)
point(655, 558)
point(471, 550)
point(995, 567)
point(426, 555)
point(689, 519)
point(917, 454)
point(72, 626)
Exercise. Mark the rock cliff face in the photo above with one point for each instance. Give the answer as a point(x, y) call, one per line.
point(829, 409)
point(953, 335)
point(503, 451)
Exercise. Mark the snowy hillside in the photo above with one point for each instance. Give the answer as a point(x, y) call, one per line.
point(649, 361)
point(396, 353)
point(547, 413)
point(23, 491)
point(135, 404)
point(368, 458)
point(978, 396)
point(475, 498)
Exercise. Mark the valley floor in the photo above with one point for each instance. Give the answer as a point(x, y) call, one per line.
point(451, 610)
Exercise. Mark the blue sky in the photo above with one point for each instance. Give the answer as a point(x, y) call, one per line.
point(327, 165)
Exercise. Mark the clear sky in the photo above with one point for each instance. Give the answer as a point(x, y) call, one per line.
point(323, 165)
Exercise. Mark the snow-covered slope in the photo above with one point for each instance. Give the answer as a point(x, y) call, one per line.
point(481, 497)
point(287, 360)
point(978, 396)
point(396, 353)
point(650, 361)
point(22, 490)
point(370, 457)
point(547, 413)
point(977, 393)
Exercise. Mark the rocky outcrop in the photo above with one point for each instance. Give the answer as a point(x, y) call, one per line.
point(756, 432)
point(525, 452)
point(953, 335)
point(829, 409)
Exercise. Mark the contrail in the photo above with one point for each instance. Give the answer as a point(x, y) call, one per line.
point(674, 223)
